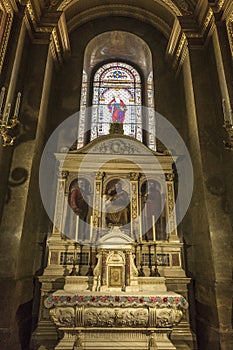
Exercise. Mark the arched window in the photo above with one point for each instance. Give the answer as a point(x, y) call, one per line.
point(116, 98)
point(116, 88)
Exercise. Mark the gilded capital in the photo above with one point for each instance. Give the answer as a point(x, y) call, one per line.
point(134, 176)
point(62, 175)
point(169, 177)
point(100, 175)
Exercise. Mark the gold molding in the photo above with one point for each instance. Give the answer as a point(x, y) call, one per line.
point(168, 3)
point(63, 4)
point(176, 46)
point(8, 10)
point(229, 25)
point(172, 6)
point(209, 16)
point(220, 4)
point(144, 16)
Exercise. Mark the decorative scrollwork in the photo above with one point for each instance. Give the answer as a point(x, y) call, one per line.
point(116, 317)
point(64, 317)
point(168, 317)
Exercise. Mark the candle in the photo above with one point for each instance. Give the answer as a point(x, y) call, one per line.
point(140, 228)
point(7, 114)
point(76, 231)
point(17, 105)
point(224, 108)
point(230, 117)
point(91, 228)
point(153, 228)
point(2, 98)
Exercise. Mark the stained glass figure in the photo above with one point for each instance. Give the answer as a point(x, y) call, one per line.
point(116, 94)
point(117, 109)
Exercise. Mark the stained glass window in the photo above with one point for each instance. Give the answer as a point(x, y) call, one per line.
point(116, 98)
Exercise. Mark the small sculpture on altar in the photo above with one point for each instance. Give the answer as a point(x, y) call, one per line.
point(116, 205)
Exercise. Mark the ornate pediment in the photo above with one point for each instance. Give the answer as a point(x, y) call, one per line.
point(114, 144)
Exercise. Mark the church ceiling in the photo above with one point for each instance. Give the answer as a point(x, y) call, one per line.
point(182, 22)
point(194, 13)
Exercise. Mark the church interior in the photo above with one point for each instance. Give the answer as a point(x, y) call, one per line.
point(116, 140)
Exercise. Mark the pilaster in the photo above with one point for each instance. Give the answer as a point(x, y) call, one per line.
point(134, 210)
point(170, 209)
point(59, 206)
point(98, 199)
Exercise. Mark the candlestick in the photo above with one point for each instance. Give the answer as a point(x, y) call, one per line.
point(140, 271)
point(2, 94)
point(91, 228)
point(90, 270)
point(140, 227)
point(153, 228)
point(74, 270)
point(156, 271)
point(77, 227)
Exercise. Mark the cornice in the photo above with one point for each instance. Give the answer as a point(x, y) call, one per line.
point(46, 27)
point(177, 45)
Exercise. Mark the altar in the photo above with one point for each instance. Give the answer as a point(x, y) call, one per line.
point(114, 277)
point(92, 311)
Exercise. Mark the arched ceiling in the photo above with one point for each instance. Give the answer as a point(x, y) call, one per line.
point(193, 15)
point(160, 13)
point(182, 22)
point(110, 45)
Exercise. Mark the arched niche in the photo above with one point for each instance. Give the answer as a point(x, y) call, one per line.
point(129, 52)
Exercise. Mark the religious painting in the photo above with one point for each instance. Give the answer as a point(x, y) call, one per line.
point(151, 204)
point(80, 202)
point(116, 204)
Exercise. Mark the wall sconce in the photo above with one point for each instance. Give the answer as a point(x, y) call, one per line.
point(8, 123)
point(228, 126)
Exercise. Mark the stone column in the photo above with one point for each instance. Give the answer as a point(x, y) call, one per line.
point(223, 71)
point(211, 238)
